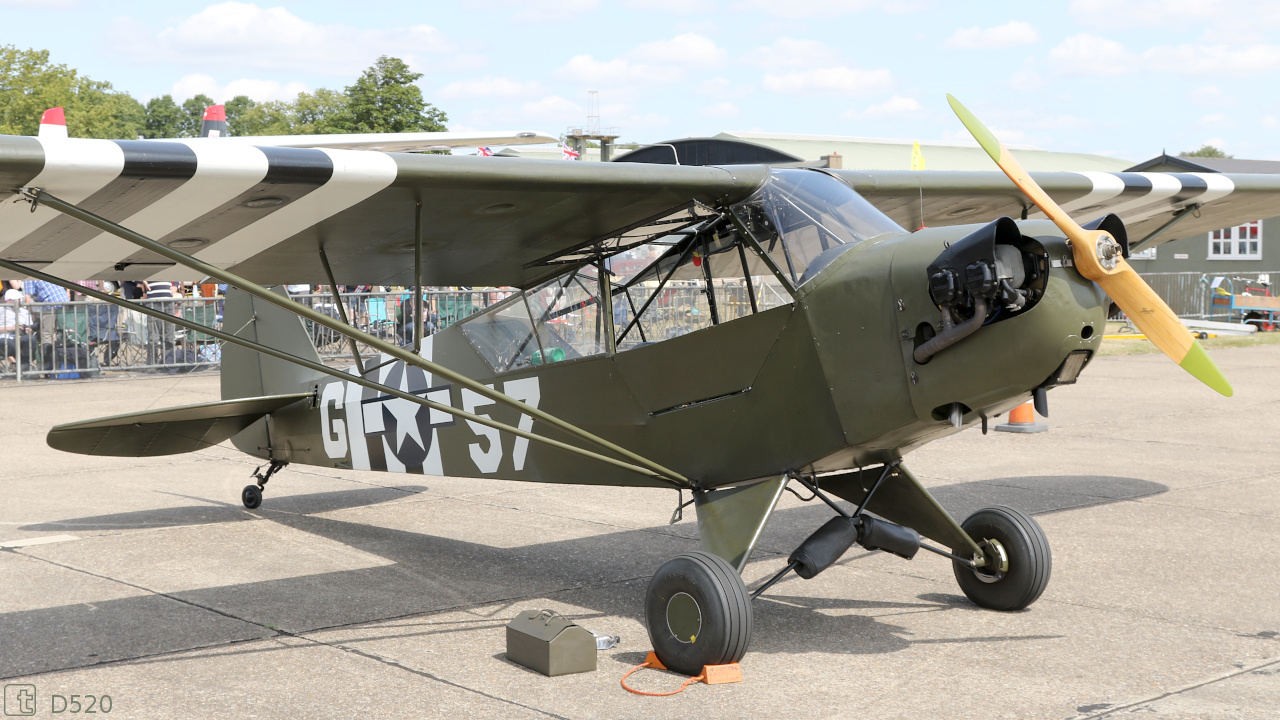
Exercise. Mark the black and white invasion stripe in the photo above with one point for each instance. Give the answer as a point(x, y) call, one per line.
point(230, 201)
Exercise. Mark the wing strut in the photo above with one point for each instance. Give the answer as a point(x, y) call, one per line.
point(649, 467)
point(342, 308)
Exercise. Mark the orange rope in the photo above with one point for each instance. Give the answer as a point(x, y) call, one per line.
point(646, 664)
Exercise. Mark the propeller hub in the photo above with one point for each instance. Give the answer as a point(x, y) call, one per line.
point(1109, 251)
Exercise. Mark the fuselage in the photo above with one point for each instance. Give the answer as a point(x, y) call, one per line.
point(824, 382)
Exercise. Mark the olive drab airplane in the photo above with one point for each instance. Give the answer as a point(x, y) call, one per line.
point(726, 329)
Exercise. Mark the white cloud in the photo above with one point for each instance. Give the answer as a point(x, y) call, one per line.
point(1026, 79)
point(1011, 34)
point(677, 7)
point(552, 108)
point(789, 52)
point(1211, 95)
point(1090, 55)
point(534, 11)
point(238, 34)
point(1270, 122)
point(261, 90)
point(720, 87)
point(586, 70)
point(1217, 120)
point(1215, 59)
point(1113, 14)
point(720, 110)
point(896, 107)
point(831, 8)
point(838, 80)
point(654, 63)
point(689, 49)
point(491, 87)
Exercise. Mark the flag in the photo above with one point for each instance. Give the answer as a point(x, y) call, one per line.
point(917, 157)
point(568, 152)
point(484, 152)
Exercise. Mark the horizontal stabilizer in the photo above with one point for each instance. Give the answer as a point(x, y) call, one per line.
point(169, 431)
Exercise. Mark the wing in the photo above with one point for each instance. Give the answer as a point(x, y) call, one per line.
point(263, 212)
point(1145, 201)
point(391, 142)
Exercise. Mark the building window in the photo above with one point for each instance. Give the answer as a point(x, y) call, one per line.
point(1243, 242)
point(1147, 254)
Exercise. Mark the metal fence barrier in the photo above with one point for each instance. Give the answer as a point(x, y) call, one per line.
point(75, 340)
point(1188, 293)
point(86, 339)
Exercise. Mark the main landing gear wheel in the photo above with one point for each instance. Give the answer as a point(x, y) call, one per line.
point(1018, 559)
point(251, 496)
point(698, 613)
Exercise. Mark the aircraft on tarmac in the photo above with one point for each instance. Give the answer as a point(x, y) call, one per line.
point(727, 330)
point(53, 126)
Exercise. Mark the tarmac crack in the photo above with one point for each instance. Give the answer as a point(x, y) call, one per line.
point(1172, 693)
point(276, 633)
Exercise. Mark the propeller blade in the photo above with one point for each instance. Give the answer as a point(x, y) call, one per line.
point(1098, 258)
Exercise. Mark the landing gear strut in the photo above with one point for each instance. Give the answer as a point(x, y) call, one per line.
point(251, 496)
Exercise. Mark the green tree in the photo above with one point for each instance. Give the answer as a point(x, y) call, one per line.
point(31, 84)
point(385, 99)
point(323, 112)
point(164, 118)
point(193, 114)
point(100, 112)
point(1207, 151)
point(265, 118)
point(237, 108)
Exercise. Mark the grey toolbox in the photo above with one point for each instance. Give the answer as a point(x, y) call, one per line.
point(550, 643)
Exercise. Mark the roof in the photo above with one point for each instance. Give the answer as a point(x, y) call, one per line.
point(1182, 163)
point(861, 153)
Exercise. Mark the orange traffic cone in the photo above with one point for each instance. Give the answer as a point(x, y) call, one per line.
point(1022, 419)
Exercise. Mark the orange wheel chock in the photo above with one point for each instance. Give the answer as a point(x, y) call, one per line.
point(711, 675)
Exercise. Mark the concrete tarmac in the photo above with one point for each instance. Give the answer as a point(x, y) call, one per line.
point(354, 594)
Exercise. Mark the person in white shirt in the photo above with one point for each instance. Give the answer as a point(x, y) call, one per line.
point(15, 324)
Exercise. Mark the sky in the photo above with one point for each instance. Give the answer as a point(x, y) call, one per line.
point(1126, 78)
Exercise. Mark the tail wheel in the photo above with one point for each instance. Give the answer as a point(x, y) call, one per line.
point(698, 612)
point(1018, 559)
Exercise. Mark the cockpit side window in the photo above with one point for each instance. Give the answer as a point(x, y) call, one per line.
point(803, 219)
point(556, 321)
point(703, 272)
point(706, 278)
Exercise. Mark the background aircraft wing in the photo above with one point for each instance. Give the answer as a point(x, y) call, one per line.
point(264, 212)
point(1145, 201)
point(394, 142)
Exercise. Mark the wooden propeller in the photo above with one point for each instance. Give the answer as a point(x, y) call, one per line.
point(1098, 257)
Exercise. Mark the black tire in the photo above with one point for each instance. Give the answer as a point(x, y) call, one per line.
point(722, 629)
point(1029, 560)
point(251, 496)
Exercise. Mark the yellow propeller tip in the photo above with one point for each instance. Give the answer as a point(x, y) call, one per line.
point(1203, 368)
point(979, 131)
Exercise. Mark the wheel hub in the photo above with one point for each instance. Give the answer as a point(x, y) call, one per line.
point(684, 618)
point(997, 562)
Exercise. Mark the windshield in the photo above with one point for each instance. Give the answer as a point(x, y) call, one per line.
point(803, 219)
